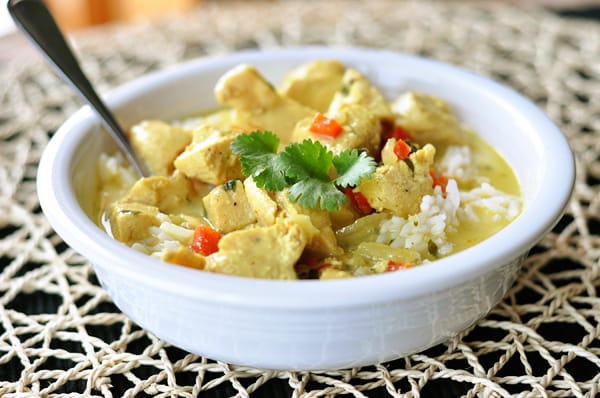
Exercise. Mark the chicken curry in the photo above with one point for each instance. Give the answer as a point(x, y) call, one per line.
point(320, 177)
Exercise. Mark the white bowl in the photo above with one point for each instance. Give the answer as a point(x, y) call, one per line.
point(311, 325)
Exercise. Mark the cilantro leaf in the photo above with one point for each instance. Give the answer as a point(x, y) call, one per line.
point(353, 166)
point(304, 167)
point(309, 163)
point(312, 193)
point(259, 159)
point(308, 159)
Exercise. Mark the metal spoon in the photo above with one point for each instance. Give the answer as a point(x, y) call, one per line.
point(35, 20)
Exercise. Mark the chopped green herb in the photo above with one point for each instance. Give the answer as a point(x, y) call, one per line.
point(413, 147)
point(345, 89)
point(432, 248)
point(230, 185)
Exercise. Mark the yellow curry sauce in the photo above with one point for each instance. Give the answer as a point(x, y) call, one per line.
point(406, 183)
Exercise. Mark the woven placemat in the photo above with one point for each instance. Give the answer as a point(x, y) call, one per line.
point(60, 334)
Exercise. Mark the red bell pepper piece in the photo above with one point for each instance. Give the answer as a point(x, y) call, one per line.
point(397, 265)
point(359, 201)
point(402, 149)
point(205, 240)
point(438, 179)
point(323, 125)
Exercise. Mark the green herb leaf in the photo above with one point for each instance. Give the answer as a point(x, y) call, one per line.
point(309, 163)
point(259, 159)
point(314, 193)
point(352, 166)
point(307, 159)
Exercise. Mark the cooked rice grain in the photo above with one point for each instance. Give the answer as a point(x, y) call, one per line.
point(457, 163)
point(486, 197)
point(176, 232)
point(437, 217)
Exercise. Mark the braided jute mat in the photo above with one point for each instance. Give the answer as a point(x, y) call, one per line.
point(60, 334)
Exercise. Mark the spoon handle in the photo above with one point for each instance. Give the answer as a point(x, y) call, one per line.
point(35, 20)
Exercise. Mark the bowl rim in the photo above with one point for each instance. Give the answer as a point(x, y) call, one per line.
point(60, 206)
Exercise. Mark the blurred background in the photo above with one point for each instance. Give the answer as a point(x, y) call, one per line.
point(77, 14)
point(74, 14)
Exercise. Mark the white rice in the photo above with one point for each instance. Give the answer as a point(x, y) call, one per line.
point(457, 163)
point(487, 198)
point(114, 169)
point(437, 217)
point(176, 232)
point(440, 216)
point(167, 237)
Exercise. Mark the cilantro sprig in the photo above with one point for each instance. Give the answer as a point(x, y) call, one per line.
point(305, 167)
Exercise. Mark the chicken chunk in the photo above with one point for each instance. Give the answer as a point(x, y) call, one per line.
point(260, 252)
point(269, 207)
point(323, 243)
point(185, 256)
point(171, 195)
point(361, 130)
point(314, 84)
point(264, 207)
point(244, 88)
point(227, 207)
point(209, 158)
point(259, 106)
point(222, 119)
point(399, 186)
point(158, 144)
point(360, 109)
point(427, 119)
point(357, 90)
point(131, 222)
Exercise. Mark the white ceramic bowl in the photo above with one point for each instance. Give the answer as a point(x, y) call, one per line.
point(312, 324)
